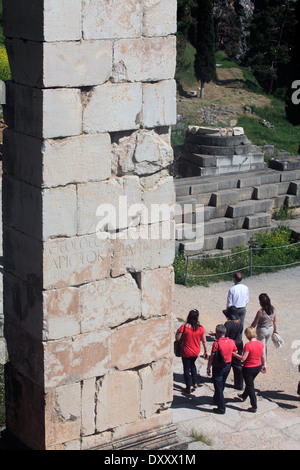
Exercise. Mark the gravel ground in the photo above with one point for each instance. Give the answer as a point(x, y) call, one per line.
point(279, 384)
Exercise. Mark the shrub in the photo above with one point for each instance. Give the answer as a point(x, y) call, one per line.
point(4, 65)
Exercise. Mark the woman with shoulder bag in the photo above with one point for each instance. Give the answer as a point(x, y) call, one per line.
point(265, 320)
point(192, 333)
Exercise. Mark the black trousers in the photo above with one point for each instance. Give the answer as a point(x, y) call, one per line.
point(249, 374)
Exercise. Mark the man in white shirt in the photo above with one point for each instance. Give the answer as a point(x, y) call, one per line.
point(238, 296)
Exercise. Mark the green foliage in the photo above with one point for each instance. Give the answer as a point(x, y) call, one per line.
point(205, 64)
point(5, 73)
point(285, 136)
point(270, 253)
point(285, 212)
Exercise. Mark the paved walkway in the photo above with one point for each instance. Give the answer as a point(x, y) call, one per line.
point(276, 425)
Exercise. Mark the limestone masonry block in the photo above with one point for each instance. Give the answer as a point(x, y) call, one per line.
point(74, 261)
point(61, 313)
point(48, 64)
point(157, 287)
point(117, 400)
point(109, 303)
point(43, 163)
point(113, 107)
point(160, 17)
point(140, 152)
point(30, 111)
point(141, 342)
point(156, 391)
point(63, 414)
point(88, 407)
point(144, 59)
point(113, 19)
point(48, 20)
point(57, 206)
point(76, 358)
point(159, 104)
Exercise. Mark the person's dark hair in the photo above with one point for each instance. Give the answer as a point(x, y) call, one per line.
point(265, 302)
point(221, 330)
point(237, 277)
point(193, 319)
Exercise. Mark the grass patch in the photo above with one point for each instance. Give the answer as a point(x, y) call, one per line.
point(200, 437)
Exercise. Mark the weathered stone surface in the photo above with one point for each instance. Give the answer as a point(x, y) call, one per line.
point(144, 59)
point(141, 152)
point(162, 190)
point(43, 163)
point(76, 358)
point(63, 414)
point(50, 20)
point(135, 344)
point(257, 221)
point(90, 61)
point(113, 107)
point(88, 407)
point(160, 17)
point(159, 104)
point(156, 286)
point(109, 303)
point(30, 111)
point(146, 247)
point(111, 410)
point(61, 313)
point(265, 191)
point(156, 391)
point(114, 19)
point(57, 206)
point(74, 261)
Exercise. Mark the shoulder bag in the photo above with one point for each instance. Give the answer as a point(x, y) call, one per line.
point(178, 345)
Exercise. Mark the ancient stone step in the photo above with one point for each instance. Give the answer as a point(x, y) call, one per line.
point(265, 191)
point(257, 221)
point(249, 207)
point(212, 140)
point(232, 239)
point(205, 161)
point(213, 150)
point(294, 188)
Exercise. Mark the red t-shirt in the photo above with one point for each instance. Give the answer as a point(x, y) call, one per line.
point(255, 349)
point(227, 347)
point(191, 340)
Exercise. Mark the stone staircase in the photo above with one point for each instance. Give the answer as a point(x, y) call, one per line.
point(236, 206)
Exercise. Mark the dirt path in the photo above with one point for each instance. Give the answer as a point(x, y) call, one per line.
point(280, 382)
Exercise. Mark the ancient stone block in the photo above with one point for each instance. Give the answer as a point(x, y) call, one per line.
point(48, 64)
point(43, 163)
point(57, 206)
point(160, 17)
point(156, 391)
point(135, 344)
point(74, 261)
point(77, 358)
point(88, 406)
point(111, 411)
point(26, 106)
point(113, 107)
point(114, 19)
point(159, 104)
point(141, 152)
point(157, 211)
point(144, 59)
point(145, 247)
point(50, 20)
point(156, 287)
point(63, 414)
point(109, 303)
point(61, 310)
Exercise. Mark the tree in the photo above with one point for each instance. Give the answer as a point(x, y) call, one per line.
point(184, 21)
point(270, 41)
point(205, 62)
point(292, 98)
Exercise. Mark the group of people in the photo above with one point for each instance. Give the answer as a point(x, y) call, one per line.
point(246, 360)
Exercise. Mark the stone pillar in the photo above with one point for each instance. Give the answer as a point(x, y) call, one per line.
point(88, 319)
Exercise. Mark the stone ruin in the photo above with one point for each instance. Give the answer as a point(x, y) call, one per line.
point(212, 151)
point(88, 320)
